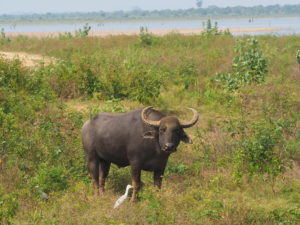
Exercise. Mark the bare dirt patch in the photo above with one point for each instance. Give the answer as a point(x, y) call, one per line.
point(30, 60)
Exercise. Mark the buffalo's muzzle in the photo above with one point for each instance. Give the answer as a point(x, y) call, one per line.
point(169, 148)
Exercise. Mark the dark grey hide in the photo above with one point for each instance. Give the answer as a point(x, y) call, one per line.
point(126, 139)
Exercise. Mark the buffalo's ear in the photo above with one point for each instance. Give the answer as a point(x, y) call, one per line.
point(150, 134)
point(185, 138)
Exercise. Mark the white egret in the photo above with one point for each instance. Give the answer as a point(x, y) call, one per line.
point(123, 197)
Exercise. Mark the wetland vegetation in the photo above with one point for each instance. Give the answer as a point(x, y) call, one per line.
point(244, 165)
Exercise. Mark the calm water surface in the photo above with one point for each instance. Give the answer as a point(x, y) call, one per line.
point(289, 25)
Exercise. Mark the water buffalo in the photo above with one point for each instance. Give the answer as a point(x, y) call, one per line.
point(142, 138)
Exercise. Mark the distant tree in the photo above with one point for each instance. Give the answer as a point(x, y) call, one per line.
point(199, 3)
point(136, 9)
point(137, 13)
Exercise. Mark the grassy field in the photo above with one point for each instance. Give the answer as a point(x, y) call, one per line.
point(244, 165)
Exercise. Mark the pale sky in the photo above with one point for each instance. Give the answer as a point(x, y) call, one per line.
point(43, 6)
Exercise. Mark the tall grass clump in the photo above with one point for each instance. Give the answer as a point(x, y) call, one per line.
point(3, 38)
point(210, 31)
point(80, 33)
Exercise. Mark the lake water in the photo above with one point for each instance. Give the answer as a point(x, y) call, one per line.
point(289, 25)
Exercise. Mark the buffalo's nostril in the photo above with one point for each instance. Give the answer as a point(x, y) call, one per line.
point(169, 145)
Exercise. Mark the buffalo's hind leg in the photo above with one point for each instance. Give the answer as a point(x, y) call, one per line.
point(104, 170)
point(93, 166)
point(136, 181)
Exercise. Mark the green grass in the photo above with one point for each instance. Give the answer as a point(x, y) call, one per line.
point(42, 111)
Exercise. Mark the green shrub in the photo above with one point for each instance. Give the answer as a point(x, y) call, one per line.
point(131, 80)
point(9, 132)
point(177, 169)
point(12, 74)
point(8, 206)
point(145, 85)
point(249, 67)
point(114, 82)
point(14, 77)
point(146, 39)
point(187, 74)
point(22, 96)
point(50, 179)
point(251, 64)
point(63, 79)
point(261, 147)
point(209, 30)
point(113, 106)
point(85, 68)
point(70, 79)
point(84, 32)
point(37, 85)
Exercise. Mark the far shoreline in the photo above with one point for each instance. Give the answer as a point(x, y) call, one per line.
point(139, 20)
point(156, 32)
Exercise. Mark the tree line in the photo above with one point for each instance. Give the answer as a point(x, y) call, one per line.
point(138, 14)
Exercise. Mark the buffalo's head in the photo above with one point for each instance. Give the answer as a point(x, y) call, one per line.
point(169, 130)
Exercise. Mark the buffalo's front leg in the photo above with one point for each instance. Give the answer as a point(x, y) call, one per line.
point(93, 165)
point(136, 181)
point(157, 178)
point(104, 170)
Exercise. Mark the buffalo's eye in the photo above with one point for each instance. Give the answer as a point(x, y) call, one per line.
point(162, 129)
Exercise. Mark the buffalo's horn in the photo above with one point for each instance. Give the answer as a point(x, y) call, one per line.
point(147, 121)
point(193, 120)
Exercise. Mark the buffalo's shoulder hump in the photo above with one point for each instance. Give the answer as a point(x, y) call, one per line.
point(95, 117)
